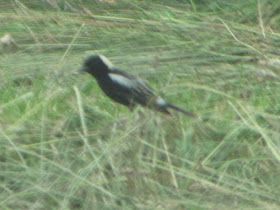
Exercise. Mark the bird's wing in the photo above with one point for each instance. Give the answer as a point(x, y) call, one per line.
point(130, 81)
point(138, 91)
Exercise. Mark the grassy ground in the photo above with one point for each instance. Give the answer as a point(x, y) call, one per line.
point(64, 145)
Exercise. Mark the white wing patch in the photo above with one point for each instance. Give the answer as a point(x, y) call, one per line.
point(161, 102)
point(106, 61)
point(121, 80)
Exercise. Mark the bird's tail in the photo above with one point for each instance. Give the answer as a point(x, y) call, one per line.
point(181, 110)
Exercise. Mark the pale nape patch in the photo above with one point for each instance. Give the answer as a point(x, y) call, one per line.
point(161, 102)
point(122, 80)
point(106, 61)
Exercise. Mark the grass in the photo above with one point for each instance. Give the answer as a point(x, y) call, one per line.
point(64, 145)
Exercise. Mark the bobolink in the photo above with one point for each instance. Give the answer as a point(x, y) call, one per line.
point(124, 88)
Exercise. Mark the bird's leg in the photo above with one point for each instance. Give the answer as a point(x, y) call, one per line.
point(131, 107)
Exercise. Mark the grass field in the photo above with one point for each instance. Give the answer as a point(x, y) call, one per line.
point(65, 145)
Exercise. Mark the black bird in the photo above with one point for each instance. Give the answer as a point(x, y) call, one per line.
point(124, 88)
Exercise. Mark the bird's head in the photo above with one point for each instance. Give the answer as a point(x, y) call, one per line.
point(96, 65)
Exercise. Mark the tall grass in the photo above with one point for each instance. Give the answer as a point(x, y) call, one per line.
point(64, 145)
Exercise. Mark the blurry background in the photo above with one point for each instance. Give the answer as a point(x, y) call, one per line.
point(65, 145)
